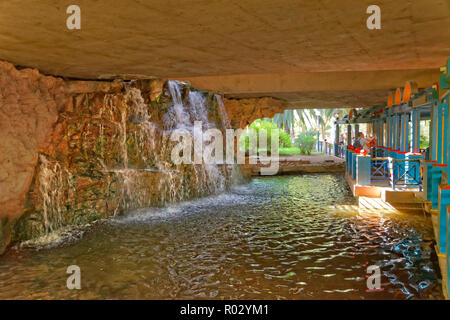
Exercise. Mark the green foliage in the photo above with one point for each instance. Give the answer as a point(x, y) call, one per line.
point(308, 119)
point(284, 139)
point(424, 141)
point(289, 150)
point(306, 142)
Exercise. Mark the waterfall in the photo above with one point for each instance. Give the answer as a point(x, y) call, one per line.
point(199, 111)
point(169, 183)
point(223, 112)
point(208, 177)
point(177, 117)
point(114, 155)
point(236, 177)
point(53, 184)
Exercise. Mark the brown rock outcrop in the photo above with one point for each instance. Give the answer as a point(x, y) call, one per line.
point(242, 112)
point(29, 107)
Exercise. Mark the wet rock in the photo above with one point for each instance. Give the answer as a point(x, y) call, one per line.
point(29, 107)
point(76, 151)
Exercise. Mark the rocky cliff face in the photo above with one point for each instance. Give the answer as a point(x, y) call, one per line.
point(73, 152)
point(29, 108)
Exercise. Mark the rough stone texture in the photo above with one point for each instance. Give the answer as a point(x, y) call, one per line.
point(29, 106)
point(74, 151)
point(184, 39)
point(242, 112)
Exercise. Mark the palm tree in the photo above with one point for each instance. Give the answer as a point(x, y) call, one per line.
point(292, 118)
point(307, 119)
point(285, 121)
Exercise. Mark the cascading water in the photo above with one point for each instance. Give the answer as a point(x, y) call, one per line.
point(223, 112)
point(236, 176)
point(118, 158)
point(53, 183)
point(208, 176)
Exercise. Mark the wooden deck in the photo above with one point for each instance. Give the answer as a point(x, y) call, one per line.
point(384, 192)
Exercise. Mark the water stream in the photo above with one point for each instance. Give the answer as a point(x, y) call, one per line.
point(287, 237)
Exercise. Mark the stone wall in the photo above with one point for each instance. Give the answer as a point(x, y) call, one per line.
point(76, 151)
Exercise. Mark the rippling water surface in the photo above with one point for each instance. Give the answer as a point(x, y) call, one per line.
point(290, 237)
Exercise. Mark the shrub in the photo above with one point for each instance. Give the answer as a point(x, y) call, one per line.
point(306, 142)
point(284, 139)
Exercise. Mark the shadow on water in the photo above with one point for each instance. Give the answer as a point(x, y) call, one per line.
point(286, 237)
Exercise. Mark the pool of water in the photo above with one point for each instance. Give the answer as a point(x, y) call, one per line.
point(286, 237)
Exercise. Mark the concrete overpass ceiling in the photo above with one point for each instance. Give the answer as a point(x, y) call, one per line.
point(202, 38)
point(321, 99)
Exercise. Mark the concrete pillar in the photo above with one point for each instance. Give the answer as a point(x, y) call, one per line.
point(434, 132)
point(443, 203)
point(415, 131)
point(439, 149)
point(436, 176)
point(351, 153)
point(375, 124)
point(446, 103)
point(388, 132)
point(349, 135)
point(362, 170)
point(439, 143)
point(396, 133)
point(430, 139)
point(443, 133)
point(354, 157)
point(379, 139)
point(427, 186)
point(404, 133)
point(336, 140)
point(349, 141)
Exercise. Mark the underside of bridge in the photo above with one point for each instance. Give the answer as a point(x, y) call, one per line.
point(306, 53)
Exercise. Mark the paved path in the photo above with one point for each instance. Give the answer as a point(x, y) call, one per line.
point(314, 158)
point(291, 164)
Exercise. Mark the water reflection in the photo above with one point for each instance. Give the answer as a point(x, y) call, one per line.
point(296, 237)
